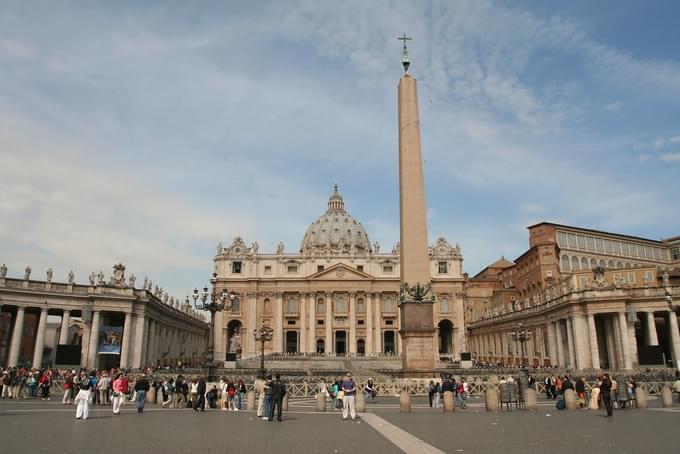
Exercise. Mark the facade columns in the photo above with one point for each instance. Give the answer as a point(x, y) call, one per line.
point(250, 347)
point(94, 338)
point(65, 321)
point(674, 337)
point(613, 350)
point(625, 342)
point(278, 325)
point(581, 352)
point(651, 337)
point(138, 356)
point(17, 335)
point(377, 310)
point(329, 347)
point(352, 323)
point(302, 340)
point(311, 314)
point(369, 324)
point(125, 344)
point(592, 337)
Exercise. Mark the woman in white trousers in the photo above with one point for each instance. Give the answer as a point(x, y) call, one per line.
point(119, 390)
point(82, 400)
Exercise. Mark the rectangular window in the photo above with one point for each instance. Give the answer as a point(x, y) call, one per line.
point(657, 253)
point(631, 278)
point(599, 244)
point(608, 246)
point(581, 242)
point(388, 269)
point(590, 243)
point(624, 249)
point(648, 252)
point(360, 268)
point(319, 268)
point(236, 267)
point(584, 282)
point(291, 322)
point(675, 253)
point(360, 322)
point(562, 239)
point(572, 240)
point(616, 247)
point(267, 269)
point(640, 251)
point(292, 268)
point(649, 276)
point(320, 322)
point(633, 250)
point(320, 307)
point(389, 322)
point(443, 267)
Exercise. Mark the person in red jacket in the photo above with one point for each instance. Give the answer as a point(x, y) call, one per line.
point(68, 389)
point(45, 383)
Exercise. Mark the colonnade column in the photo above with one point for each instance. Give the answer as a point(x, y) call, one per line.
point(352, 323)
point(570, 342)
point(625, 343)
point(651, 338)
point(63, 334)
point(675, 337)
point(17, 335)
point(594, 348)
point(249, 344)
point(329, 324)
point(581, 352)
point(560, 344)
point(125, 345)
point(140, 342)
point(94, 338)
point(40, 340)
point(369, 323)
point(302, 341)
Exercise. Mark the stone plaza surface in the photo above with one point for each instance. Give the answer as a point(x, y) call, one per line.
point(50, 427)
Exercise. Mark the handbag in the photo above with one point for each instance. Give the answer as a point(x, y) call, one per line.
point(341, 395)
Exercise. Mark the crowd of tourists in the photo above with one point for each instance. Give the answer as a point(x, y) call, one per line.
point(436, 390)
point(22, 383)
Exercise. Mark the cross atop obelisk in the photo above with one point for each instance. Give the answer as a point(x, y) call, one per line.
point(404, 58)
point(415, 298)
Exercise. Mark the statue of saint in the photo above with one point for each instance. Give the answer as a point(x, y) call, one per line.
point(254, 248)
point(50, 274)
point(219, 248)
point(100, 278)
point(27, 273)
point(376, 247)
point(666, 279)
point(71, 277)
point(3, 270)
point(235, 341)
point(92, 278)
point(132, 280)
point(279, 248)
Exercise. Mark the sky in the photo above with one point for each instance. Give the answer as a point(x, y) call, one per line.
point(147, 132)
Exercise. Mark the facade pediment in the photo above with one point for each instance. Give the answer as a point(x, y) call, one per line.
point(340, 272)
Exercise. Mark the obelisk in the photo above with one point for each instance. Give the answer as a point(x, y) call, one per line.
point(415, 300)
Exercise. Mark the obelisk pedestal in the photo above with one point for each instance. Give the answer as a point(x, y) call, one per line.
point(415, 302)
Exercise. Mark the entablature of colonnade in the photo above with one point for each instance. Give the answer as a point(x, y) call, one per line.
point(581, 302)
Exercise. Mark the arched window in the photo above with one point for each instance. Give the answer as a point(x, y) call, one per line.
point(574, 263)
point(340, 304)
point(292, 305)
point(593, 264)
point(320, 306)
point(602, 263)
point(619, 265)
point(388, 305)
point(236, 306)
point(361, 306)
point(267, 306)
point(320, 346)
point(565, 263)
point(584, 263)
point(444, 305)
point(610, 264)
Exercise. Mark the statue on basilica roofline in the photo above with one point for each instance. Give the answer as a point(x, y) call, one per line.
point(3, 270)
point(220, 249)
point(92, 278)
point(376, 247)
point(100, 278)
point(666, 279)
point(27, 273)
point(71, 277)
point(50, 274)
point(132, 280)
point(279, 248)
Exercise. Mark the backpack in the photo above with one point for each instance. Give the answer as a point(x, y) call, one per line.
point(560, 405)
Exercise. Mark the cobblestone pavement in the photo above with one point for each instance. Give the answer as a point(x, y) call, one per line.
point(50, 427)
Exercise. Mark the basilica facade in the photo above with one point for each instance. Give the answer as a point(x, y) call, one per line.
point(337, 295)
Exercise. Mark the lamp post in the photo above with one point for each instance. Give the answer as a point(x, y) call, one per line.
point(263, 334)
point(522, 335)
point(216, 304)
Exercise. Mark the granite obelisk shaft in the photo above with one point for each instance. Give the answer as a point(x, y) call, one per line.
point(417, 330)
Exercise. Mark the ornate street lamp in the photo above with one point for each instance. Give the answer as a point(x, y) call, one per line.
point(216, 304)
point(264, 334)
point(522, 335)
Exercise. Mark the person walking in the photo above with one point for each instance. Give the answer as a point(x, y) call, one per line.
point(278, 392)
point(605, 393)
point(68, 389)
point(82, 400)
point(242, 391)
point(141, 387)
point(348, 403)
point(103, 388)
point(200, 391)
point(120, 390)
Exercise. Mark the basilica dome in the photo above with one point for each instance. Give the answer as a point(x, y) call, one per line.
point(335, 231)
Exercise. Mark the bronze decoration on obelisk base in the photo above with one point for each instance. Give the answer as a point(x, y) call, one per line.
point(416, 298)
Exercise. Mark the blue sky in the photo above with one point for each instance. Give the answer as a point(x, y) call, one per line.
point(147, 132)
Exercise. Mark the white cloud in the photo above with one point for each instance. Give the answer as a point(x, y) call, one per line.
point(613, 106)
point(671, 157)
